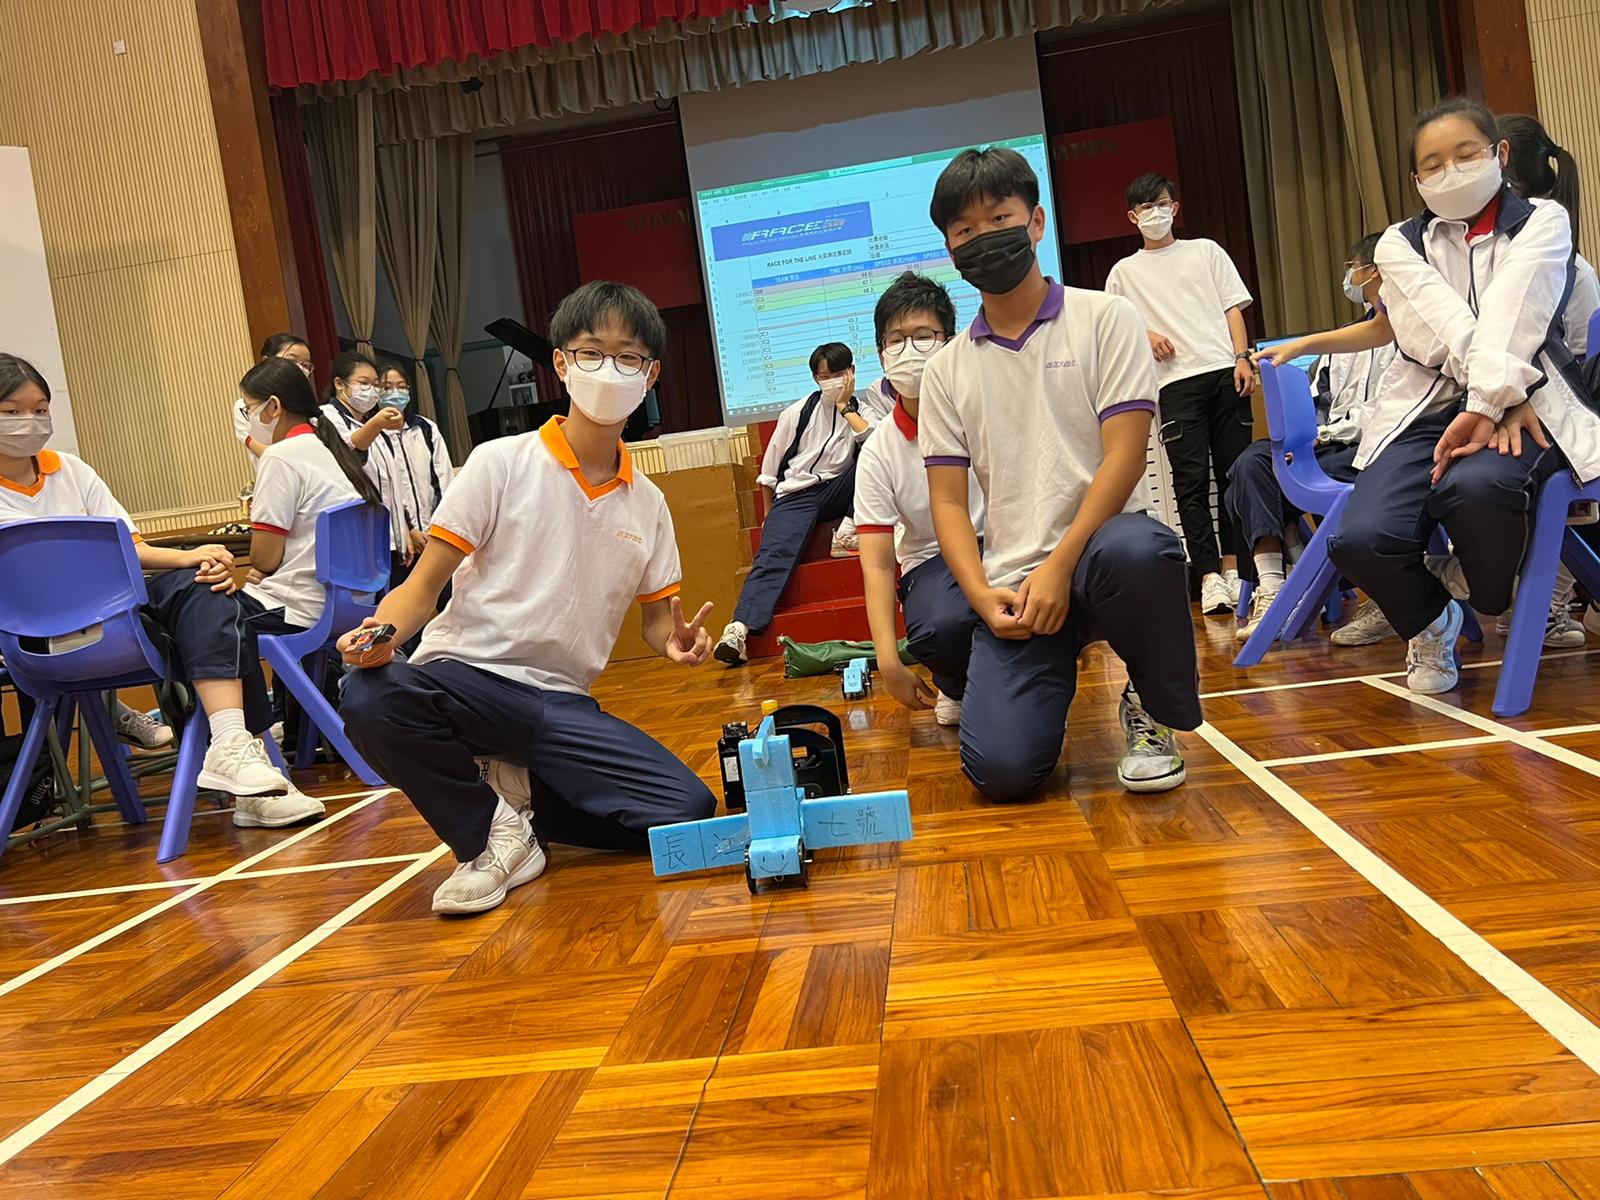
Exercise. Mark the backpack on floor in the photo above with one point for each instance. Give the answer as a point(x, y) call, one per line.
point(802, 659)
point(38, 800)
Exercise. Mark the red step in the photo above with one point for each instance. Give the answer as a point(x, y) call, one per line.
point(831, 621)
point(823, 580)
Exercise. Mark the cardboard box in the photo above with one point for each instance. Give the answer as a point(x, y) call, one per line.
point(712, 544)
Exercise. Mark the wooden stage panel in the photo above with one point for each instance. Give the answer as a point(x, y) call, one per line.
point(1092, 995)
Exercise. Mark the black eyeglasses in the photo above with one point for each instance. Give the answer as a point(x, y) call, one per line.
point(627, 362)
point(923, 340)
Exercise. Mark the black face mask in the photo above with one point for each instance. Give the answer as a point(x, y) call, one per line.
point(994, 263)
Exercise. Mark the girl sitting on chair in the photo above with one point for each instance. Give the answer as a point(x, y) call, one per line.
point(191, 597)
point(1481, 405)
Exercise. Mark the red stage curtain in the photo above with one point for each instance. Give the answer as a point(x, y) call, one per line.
point(548, 183)
point(1181, 69)
point(315, 299)
point(329, 41)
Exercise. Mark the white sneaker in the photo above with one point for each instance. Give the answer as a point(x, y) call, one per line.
point(141, 729)
point(1447, 568)
point(1366, 628)
point(512, 858)
point(730, 646)
point(269, 812)
point(1214, 599)
point(1260, 601)
point(509, 780)
point(1231, 578)
point(238, 764)
point(947, 712)
point(277, 732)
point(845, 540)
point(1561, 632)
point(1153, 762)
point(1431, 655)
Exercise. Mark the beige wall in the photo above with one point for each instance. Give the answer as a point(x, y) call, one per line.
point(140, 249)
point(1565, 35)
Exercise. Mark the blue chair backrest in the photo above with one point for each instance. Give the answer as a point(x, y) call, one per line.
point(1291, 410)
point(353, 561)
point(60, 575)
point(1594, 334)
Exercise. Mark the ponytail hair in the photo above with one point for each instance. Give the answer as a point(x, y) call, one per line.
point(343, 367)
point(1538, 169)
point(279, 379)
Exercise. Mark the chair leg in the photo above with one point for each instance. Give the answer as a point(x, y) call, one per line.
point(1470, 628)
point(1307, 574)
point(275, 752)
point(185, 783)
point(1520, 664)
point(326, 719)
point(1582, 561)
point(97, 720)
point(22, 770)
point(1246, 590)
point(306, 741)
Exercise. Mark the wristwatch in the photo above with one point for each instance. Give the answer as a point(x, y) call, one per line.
point(1243, 355)
point(852, 405)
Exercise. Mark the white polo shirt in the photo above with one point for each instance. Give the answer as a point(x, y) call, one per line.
point(1025, 415)
point(1184, 291)
point(552, 562)
point(299, 480)
point(67, 487)
point(892, 489)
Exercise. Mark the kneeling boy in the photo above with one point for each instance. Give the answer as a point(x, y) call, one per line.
point(914, 318)
point(549, 536)
point(1047, 398)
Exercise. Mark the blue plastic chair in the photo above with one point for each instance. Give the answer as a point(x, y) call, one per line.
point(353, 566)
point(46, 567)
point(1292, 425)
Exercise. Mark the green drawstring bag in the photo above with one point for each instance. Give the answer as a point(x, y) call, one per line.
point(801, 659)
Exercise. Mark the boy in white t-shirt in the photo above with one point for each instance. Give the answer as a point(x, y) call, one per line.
point(1047, 400)
point(550, 537)
point(914, 318)
point(1193, 301)
point(808, 474)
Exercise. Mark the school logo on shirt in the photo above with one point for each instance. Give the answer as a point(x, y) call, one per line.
point(1060, 364)
point(630, 537)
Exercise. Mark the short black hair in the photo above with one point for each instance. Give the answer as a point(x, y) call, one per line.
point(836, 356)
point(1365, 250)
point(277, 343)
point(1148, 187)
point(1456, 106)
point(596, 305)
point(914, 293)
point(14, 372)
point(343, 368)
point(994, 174)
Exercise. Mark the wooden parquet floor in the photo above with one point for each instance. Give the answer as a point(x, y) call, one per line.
point(1356, 957)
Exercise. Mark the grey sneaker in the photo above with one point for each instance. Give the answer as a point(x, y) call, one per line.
point(1154, 761)
point(1366, 628)
point(730, 646)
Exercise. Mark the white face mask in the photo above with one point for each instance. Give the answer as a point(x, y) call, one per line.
point(905, 369)
point(1156, 223)
point(606, 396)
point(363, 398)
point(1460, 193)
point(22, 435)
point(832, 389)
point(262, 432)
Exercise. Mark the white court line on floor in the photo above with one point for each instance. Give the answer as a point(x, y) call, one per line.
point(86, 893)
point(1316, 683)
point(1553, 1014)
point(1565, 731)
point(139, 918)
point(86, 1095)
point(1301, 760)
point(1518, 737)
point(343, 864)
